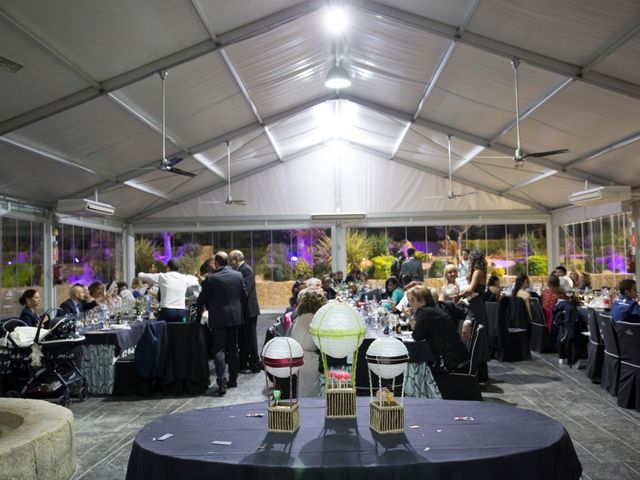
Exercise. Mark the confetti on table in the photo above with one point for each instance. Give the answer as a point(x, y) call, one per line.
point(439, 430)
point(427, 449)
point(163, 437)
point(220, 442)
point(414, 426)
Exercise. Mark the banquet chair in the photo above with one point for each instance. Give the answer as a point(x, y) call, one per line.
point(628, 335)
point(539, 337)
point(462, 385)
point(514, 342)
point(595, 349)
point(611, 363)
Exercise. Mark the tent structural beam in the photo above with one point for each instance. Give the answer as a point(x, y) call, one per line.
point(604, 150)
point(503, 49)
point(236, 178)
point(445, 175)
point(122, 80)
point(530, 181)
point(608, 48)
point(483, 142)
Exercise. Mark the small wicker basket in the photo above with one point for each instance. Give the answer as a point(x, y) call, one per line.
point(386, 417)
point(341, 403)
point(284, 417)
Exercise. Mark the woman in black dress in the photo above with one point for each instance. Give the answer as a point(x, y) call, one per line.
point(474, 293)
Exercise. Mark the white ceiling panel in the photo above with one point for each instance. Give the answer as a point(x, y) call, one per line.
point(366, 127)
point(41, 80)
point(452, 12)
point(35, 177)
point(570, 30)
point(628, 157)
point(477, 84)
point(623, 62)
point(311, 127)
point(223, 15)
point(128, 201)
point(98, 134)
point(581, 118)
point(247, 152)
point(552, 191)
point(390, 63)
point(294, 70)
point(202, 99)
point(129, 33)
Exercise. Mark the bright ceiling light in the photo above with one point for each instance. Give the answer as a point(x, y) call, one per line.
point(336, 20)
point(337, 78)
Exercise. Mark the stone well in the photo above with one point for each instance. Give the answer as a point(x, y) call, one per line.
point(37, 440)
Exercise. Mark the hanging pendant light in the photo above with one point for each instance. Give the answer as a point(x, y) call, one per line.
point(337, 77)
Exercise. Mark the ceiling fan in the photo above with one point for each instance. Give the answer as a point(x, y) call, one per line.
point(167, 165)
point(519, 156)
point(450, 195)
point(229, 200)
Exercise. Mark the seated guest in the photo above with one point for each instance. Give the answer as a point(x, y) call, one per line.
point(392, 291)
point(327, 286)
point(173, 289)
point(136, 285)
point(550, 297)
point(353, 275)
point(314, 283)
point(32, 302)
point(584, 281)
point(493, 291)
point(520, 290)
point(565, 281)
point(450, 291)
point(338, 277)
point(309, 302)
point(625, 308)
point(575, 278)
point(296, 285)
point(405, 280)
point(434, 325)
point(363, 279)
point(77, 302)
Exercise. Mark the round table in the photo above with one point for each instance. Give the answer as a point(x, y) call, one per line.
point(500, 442)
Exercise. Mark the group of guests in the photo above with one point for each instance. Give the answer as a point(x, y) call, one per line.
point(227, 291)
point(445, 324)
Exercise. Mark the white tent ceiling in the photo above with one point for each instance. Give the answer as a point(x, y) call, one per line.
point(84, 112)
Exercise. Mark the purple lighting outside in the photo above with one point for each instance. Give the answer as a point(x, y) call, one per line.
point(87, 277)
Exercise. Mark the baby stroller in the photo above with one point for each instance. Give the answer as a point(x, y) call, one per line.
point(42, 365)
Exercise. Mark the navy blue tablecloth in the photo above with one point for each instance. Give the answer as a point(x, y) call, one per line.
point(121, 338)
point(500, 443)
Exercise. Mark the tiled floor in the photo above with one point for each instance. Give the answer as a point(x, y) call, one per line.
point(606, 437)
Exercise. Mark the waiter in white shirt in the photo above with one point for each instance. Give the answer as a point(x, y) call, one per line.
point(173, 288)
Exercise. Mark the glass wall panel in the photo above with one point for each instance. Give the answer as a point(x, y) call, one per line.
point(603, 247)
point(21, 265)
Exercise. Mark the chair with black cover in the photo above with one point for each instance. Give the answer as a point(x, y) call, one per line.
point(462, 385)
point(539, 336)
point(514, 342)
point(611, 363)
point(595, 348)
point(518, 313)
point(629, 385)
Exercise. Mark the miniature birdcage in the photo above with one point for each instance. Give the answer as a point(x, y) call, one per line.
point(338, 330)
point(282, 358)
point(387, 358)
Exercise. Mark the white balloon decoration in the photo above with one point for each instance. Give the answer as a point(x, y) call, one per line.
point(387, 357)
point(282, 357)
point(337, 329)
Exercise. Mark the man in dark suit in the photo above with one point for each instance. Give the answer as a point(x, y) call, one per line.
point(247, 339)
point(77, 303)
point(223, 295)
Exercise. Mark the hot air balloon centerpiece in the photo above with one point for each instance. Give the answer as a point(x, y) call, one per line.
point(338, 330)
point(388, 359)
point(282, 358)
